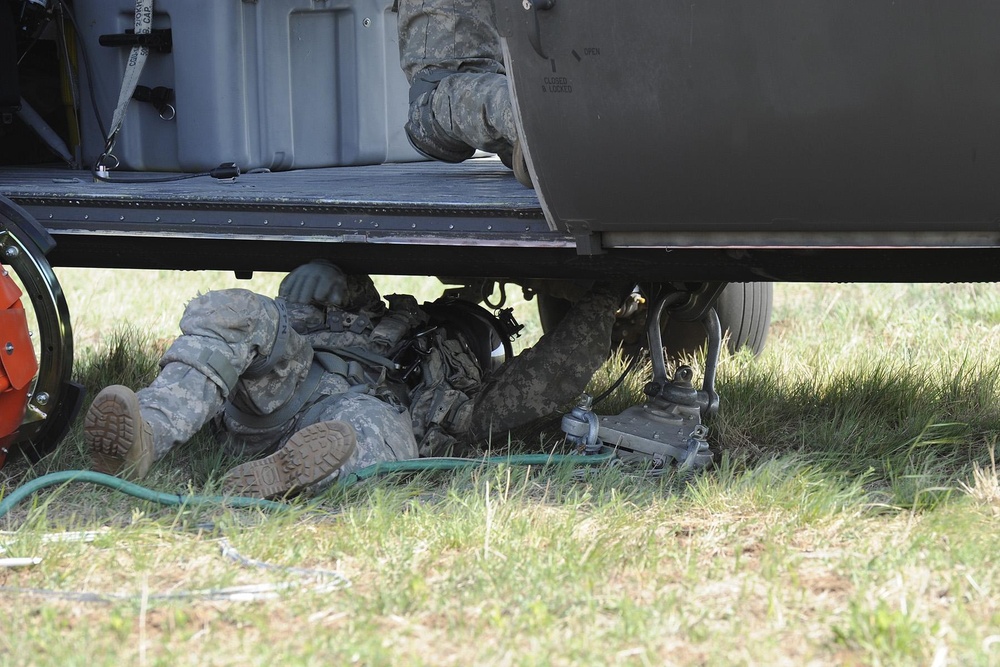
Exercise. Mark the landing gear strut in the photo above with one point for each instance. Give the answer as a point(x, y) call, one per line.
point(668, 426)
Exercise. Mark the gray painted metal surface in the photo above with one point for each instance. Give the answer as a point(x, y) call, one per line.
point(714, 116)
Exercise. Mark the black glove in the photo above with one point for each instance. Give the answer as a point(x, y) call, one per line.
point(318, 282)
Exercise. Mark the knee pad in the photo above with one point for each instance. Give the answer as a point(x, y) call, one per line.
point(224, 331)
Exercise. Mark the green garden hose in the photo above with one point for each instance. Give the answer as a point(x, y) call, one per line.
point(118, 484)
point(173, 499)
point(451, 463)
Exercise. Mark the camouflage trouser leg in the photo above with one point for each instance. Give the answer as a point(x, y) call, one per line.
point(553, 372)
point(223, 332)
point(179, 402)
point(454, 44)
point(384, 433)
point(476, 109)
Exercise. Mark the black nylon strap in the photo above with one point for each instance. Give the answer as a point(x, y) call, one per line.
point(427, 80)
point(360, 355)
point(298, 399)
point(324, 361)
point(261, 366)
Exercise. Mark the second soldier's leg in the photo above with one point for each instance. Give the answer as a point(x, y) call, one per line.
point(459, 100)
point(450, 35)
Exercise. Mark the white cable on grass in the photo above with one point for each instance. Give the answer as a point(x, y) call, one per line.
point(317, 581)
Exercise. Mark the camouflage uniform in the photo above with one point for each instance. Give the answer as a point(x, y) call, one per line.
point(242, 358)
point(451, 55)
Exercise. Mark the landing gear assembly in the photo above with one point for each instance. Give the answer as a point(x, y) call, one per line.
point(668, 427)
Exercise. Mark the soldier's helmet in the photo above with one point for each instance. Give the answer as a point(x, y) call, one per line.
point(483, 333)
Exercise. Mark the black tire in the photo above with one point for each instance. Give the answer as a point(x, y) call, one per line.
point(54, 399)
point(744, 313)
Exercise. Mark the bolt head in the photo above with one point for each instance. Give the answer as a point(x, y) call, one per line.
point(42, 398)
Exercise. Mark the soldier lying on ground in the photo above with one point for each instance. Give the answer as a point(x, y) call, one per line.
point(327, 379)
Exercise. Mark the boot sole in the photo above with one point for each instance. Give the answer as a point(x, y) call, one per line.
point(450, 158)
point(309, 456)
point(110, 429)
point(520, 167)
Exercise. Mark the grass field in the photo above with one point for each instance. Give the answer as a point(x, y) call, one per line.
point(851, 519)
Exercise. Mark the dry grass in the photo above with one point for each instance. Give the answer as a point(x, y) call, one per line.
point(851, 520)
point(653, 577)
point(985, 486)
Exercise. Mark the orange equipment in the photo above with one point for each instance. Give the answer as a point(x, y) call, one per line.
point(18, 364)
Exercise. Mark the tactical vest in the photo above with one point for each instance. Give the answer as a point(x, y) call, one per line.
point(397, 354)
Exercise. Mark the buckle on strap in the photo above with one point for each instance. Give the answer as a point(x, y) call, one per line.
point(360, 355)
point(351, 371)
point(223, 368)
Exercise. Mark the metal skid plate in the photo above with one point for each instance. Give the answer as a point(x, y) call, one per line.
point(668, 426)
point(786, 116)
point(661, 431)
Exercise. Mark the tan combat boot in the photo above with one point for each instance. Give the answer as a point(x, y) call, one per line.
point(310, 455)
point(119, 439)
